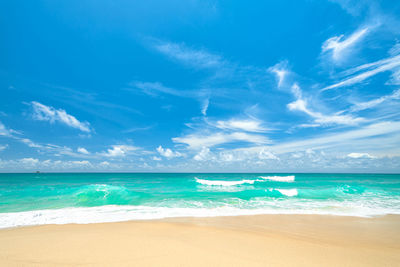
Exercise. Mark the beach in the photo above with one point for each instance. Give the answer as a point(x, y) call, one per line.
point(260, 240)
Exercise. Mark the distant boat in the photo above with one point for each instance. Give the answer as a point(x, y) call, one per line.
point(37, 171)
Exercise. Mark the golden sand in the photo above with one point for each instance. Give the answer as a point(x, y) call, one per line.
point(267, 240)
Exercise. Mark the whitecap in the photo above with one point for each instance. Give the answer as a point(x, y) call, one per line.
point(287, 179)
point(223, 183)
point(288, 192)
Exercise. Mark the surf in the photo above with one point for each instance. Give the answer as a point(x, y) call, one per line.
point(288, 179)
point(223, 183)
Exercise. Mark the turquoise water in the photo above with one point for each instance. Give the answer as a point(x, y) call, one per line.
point(28, 199)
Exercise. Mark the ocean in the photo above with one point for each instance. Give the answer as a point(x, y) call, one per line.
point(59, 198)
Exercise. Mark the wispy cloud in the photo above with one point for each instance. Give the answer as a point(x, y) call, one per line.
point(196, 58)
point(7, 132)
point(197, 141)
point(10, 133)
point(156, 88)
point(48, 148)
point(83, 150)
point(340, 47)
point(3, 147)
point(320, 119)
point(372, 103)
point(363, 72)
point(29, 142)
point(281, 71)
point(345, 140)
point(135, 129)
point(204, 106)
point(48, 113)
point(3, 130)
point(235, 124)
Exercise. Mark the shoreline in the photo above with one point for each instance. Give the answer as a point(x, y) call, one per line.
point(187, 219)
point(126, 213)
point(249, 240)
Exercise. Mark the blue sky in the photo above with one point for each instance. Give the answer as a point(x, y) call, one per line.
point(270, 86)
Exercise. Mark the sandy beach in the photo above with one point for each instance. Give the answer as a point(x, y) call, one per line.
point(266, 240)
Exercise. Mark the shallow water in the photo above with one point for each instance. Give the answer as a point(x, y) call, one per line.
point(29, 199)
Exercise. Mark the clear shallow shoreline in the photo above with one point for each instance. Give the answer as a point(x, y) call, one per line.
point(109, 214)
point(34, 199)
point(273, 240)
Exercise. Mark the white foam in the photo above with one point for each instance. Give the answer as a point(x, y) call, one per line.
point(112, 213)
point(288, 192)
point(287, 179)
point(223, 183)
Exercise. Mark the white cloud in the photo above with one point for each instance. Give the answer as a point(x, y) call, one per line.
point(83, 150)
point(204, 154)
point(168, 153)
point(154, 88)
point(395, 78)
point(235, 155)
point(47, 113)
point(4, 131)
point(248, 125)
point(2, 147)
point(156, 158)
point(372, 103)
point(340, 48)
point(32, 164)
point(320, 119)
point(197, 141)
point(368, 136)
point(197, 58)
point(265, 154)
point(135, 129)
point(280, 70)
point(29, 142)
point(226, 156)
point(360, 155)
point(368, 70)
point(29, 161)
point(57, 150)
point(119, 150)
point(80, 162)
point(204, 106)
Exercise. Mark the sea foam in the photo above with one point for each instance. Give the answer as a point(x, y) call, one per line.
point(288, 192)
point(223, 183)
point(115, 213)
point(288, 179)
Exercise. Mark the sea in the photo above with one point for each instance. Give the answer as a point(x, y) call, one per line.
point(60, 198)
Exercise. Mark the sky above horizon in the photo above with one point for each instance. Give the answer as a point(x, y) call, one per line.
point(200, 86)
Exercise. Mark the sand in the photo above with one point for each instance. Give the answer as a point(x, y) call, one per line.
point(265, 240)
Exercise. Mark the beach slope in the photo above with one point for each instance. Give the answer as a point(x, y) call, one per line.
point(265, 240)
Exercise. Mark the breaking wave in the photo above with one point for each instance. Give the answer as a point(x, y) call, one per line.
point(288, 192)
point(287, 179)
point(223, 183)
